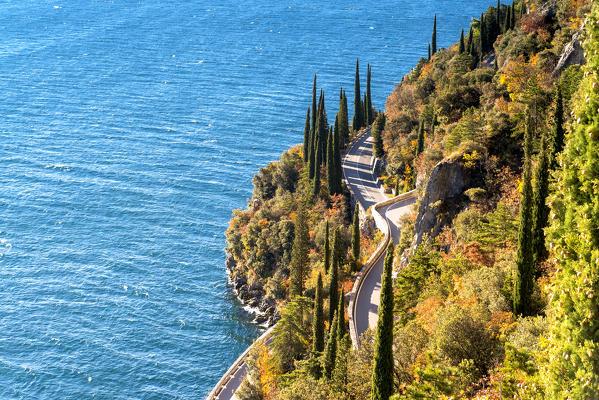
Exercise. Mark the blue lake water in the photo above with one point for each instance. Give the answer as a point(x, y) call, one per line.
point(129, 130)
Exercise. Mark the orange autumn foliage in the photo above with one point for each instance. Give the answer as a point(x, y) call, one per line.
point(268, 373)
point(474, 252)
point(501, 323)
point(337, 204)
point(425, 312)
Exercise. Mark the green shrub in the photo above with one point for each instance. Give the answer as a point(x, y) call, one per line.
point(467, 224)
point(476, 195)
point(409, 342)
point(527, 333)
point(517, 42)
point(485, 285)
point(442, 285)
point(469, 128)
point(459, 336)
point(411, 279)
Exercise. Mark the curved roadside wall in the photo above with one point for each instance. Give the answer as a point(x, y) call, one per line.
point(383, 226)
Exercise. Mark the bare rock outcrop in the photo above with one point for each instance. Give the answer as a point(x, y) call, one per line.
point(549, 10)
point(444, 196)
point(573, 53)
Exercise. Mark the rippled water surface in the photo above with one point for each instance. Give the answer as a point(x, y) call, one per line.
point(129, 130)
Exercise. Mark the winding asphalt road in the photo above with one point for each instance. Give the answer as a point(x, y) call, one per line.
point(364, 185)
point(228, 392)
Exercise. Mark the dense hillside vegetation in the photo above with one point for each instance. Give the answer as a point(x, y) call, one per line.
point(495, 286)
point(267, 260)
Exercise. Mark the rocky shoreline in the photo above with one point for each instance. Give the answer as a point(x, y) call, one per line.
point(253, 298)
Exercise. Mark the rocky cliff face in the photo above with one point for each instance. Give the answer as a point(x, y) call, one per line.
point(444, 196)
point(573, 53)
point(253, 298)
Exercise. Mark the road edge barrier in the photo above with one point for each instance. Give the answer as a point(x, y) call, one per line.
point(216, 391)
point(383, 226)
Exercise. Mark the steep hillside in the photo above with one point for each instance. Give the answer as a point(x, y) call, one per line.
point(498, 134)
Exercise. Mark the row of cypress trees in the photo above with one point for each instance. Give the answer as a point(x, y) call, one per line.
point(490, 26)
point(338, 330)
point(323, 143)
point(534, 213)
point(363, 111)
point(331, 355)
point(322, 146)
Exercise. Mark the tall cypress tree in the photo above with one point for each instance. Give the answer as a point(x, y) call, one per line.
point(524, 279)
point(338, 168)
point(470, 46)
point(429, 52)
point(365, 111)
point(507, 20)
point(318, 319)
point(338, 251)
point(462, 47)
point(334, 284)
point(307, 136)
point(339, 381)
point(483, 36)
point(313, 119)
point(420, 145)
point(331, 165)
point(355, 238)
point(434, 37)
point(357, 120)
point(323, 126)
point(314, 111)
point(377, 135)
point(345, 121)
point(369, 97)
point(513, 16)
point(572, 369)
point(311, 161)
point(299, 253)
point(341, 326)
point(320, 134)
point(557, 141)
point(327, 249)
point(498, 16)
point(540, 211)
point(330, 351)
point(382, 374)
point(342, 120)
point(312, 167)
point(316, 180)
